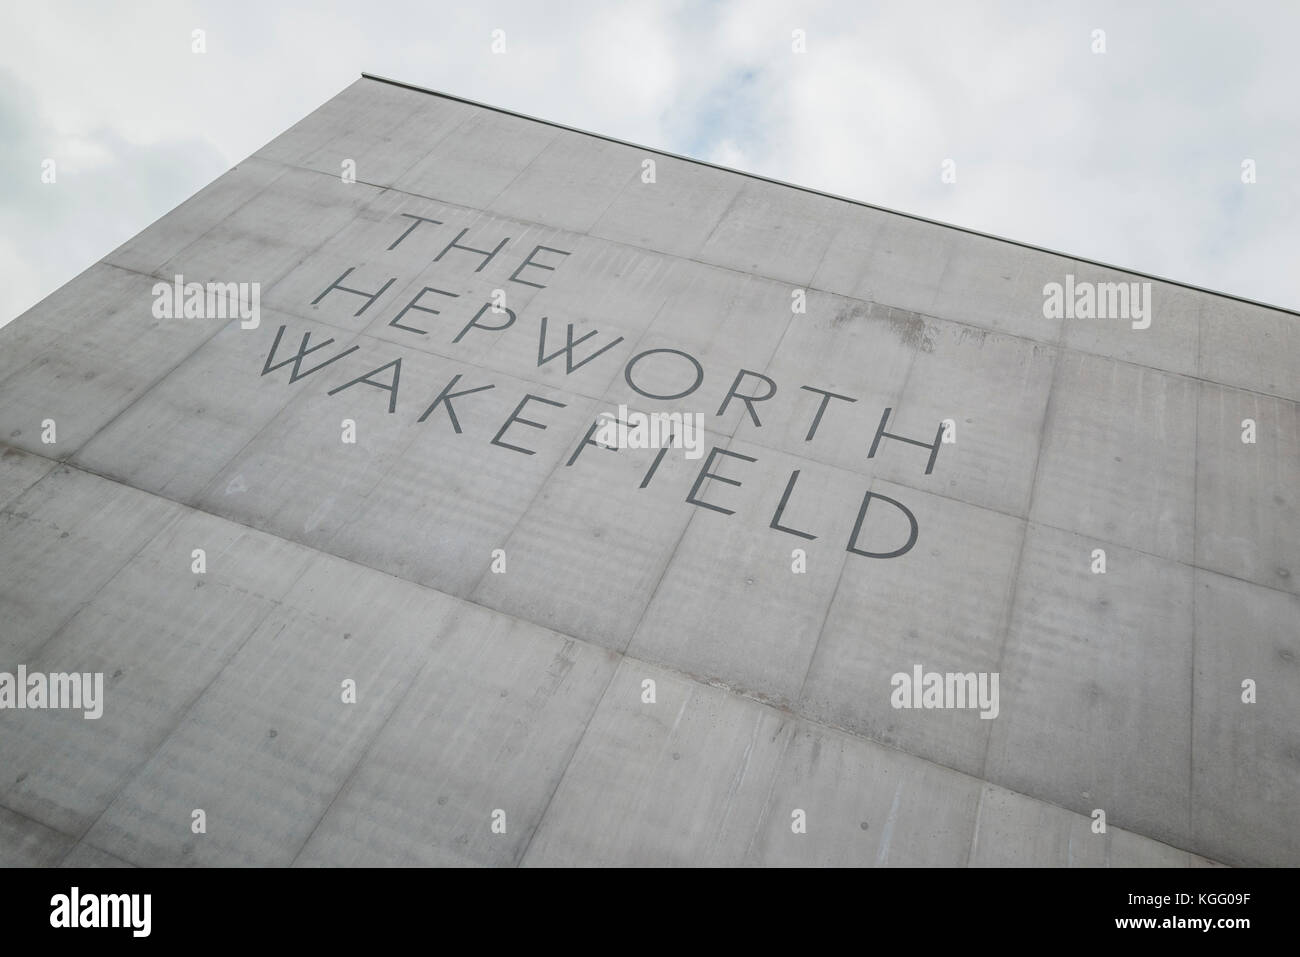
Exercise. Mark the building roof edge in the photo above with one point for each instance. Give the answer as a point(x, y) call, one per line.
point(843, 199)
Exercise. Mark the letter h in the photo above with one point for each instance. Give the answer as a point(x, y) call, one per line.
point(933, 447)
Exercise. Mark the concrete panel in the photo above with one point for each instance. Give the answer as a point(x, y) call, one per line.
point(1119, 457)
point(83, 855)
point(1250, 347)
point(856, 350)
point(68, 312)
point(148, 250)
point(388, 138)
point(26, 843)
point(489, 724)
point(680, 781)
point(607, 282)
point(943, 606)
point(994, 389)
point(570, 183)
point(63, 375)
point(159, 634)
point(450, 500)
point(63, 539)
point(734, 575)
point(592, 547)
point(475, 164)
point(298, 479)
point(726, 321)
point(269, 744)
point(891, 260)
point(775, 232)
point(274, 231)
point(676, 214)
point(856, 238)
point(1246, 757)
point(1017, 831)
point(1096, 685)
point(19, 471)
point(864, 806)
point(350, 108)
point(1248, 494)
point(995, 285)
point(1169, 342)
point(176, 437)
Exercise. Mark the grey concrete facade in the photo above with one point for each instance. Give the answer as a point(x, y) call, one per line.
point(562, 654)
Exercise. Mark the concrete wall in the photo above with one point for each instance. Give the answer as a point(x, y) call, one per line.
point(525, 690)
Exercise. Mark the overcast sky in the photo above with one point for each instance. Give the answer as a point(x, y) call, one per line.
point(1132, 156)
